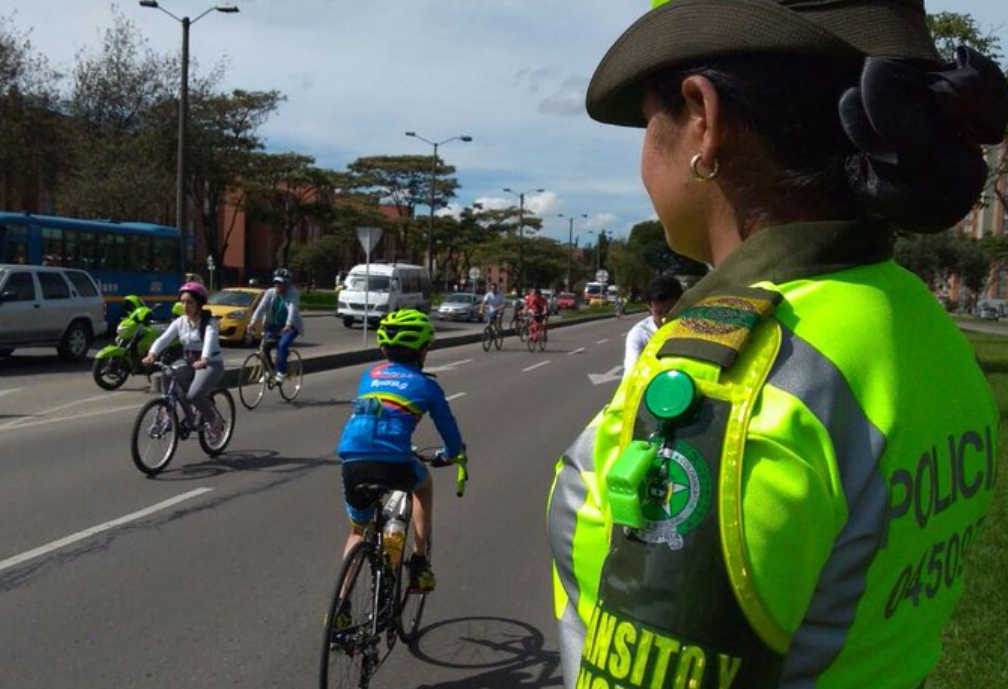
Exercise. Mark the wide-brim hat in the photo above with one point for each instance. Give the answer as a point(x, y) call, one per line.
point(683, 31)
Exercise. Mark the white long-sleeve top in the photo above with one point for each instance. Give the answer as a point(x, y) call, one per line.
point(188, 334)
point(636, 340)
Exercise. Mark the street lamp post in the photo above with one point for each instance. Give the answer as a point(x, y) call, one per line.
point(521, 234)
point(183, 113)
point(570, 242)
point(595, 250)
point(433, 178)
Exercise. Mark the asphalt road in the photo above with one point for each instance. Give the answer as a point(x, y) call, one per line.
point(218, 573)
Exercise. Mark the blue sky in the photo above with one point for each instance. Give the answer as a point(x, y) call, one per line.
point(357, 74)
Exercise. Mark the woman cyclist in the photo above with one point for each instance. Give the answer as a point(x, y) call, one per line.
point(202, 366)
point(376, 443)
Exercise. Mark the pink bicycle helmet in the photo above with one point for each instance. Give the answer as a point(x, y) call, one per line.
point(197, 290)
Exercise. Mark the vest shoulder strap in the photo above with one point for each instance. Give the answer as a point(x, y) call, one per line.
point(718, 327)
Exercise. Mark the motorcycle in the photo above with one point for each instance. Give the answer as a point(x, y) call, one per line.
point(124, 357)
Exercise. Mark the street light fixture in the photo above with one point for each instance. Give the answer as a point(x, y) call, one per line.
point(433, 178)
point(183, 113)
point(521, 233)
point(570, 242)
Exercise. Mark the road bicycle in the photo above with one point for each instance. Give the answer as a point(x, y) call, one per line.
point(162, 422)
point(372, 604)
point(537, 334)
point(258, 373)
point(493, 333)
point(519, 324)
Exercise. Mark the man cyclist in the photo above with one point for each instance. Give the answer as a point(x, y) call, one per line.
point(376, 443)
point(282, 321)
point(537, 307)
point(493, 305)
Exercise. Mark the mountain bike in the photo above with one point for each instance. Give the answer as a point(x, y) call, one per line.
point(258, 372)
point(537, 334)
point(372, 594)
point(161, 423)
point(493, 333)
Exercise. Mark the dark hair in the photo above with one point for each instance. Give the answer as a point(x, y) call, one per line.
point(665, 287)
point(792, 159)
point(398, 354)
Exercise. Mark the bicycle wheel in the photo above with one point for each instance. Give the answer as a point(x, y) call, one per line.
point(225, 405)
point(488, 338)
point(532, 338)
point(155, 437)
point(411, 605)
point(498, 337)
point(252, 381)
point(522, 330)
point(350, 652)
point(291, 385)
point(543, 337)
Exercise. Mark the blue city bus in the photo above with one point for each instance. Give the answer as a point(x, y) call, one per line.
point(123, 257)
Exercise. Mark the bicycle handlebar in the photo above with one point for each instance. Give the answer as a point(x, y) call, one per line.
point(439, 460)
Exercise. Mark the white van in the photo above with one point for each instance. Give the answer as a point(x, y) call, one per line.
point(392, 286)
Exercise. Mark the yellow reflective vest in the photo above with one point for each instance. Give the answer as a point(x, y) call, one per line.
point(830, 488)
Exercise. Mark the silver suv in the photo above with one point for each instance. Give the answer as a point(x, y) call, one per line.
point(44, 306)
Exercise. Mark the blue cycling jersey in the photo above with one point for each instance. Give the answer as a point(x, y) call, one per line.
point(391, 400)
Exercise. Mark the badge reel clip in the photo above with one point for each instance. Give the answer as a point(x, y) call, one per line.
point(642, 467)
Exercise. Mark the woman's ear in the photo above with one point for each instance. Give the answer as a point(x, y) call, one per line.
point(705, 123)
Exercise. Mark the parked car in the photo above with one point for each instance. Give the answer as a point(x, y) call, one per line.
point(567, 300)
point(990, 313)
point(42, 306)
point(460, 306)
point(551, 300)
point(234, 307)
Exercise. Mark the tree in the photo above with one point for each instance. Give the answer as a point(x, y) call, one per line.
point(319, 261)
point(31, 141)
point(222, 140)
point(120, 165)
point(288, 191)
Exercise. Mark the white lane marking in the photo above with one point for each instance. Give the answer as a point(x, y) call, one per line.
point(24, 419)
point(7, 392)
point(602, 341)
point(18, 424)
point(576, 351)
point(446, 367)
point(535, 366)
point(87, 533)
point(455, 396)
point(615, 373)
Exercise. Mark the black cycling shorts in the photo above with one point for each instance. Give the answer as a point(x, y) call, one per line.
point(405, 476)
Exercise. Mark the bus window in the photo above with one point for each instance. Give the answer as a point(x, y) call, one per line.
point(139, 254)
point(52, 246)
point(13, 244)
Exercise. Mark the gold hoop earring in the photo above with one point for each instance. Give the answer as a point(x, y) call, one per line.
point(694, 166)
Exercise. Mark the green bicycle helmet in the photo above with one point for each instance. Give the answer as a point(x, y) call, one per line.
point(405, 328)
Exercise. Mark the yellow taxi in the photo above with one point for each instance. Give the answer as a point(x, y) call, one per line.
point(234, 307)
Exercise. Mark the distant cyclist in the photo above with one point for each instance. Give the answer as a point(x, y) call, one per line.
point(282, 318)
point(537, 307)
point(376, 444)
point(197, 331)
point(493, 305)
point(662, 294)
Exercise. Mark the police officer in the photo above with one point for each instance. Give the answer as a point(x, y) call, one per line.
point(801, 461)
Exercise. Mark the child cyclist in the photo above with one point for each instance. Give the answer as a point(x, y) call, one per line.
point(376, 445)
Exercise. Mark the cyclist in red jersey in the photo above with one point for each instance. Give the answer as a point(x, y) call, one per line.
point(537, 307)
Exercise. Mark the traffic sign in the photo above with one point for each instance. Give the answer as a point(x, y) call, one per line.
point(474, 273)
point(368, 238)
point(602, 275)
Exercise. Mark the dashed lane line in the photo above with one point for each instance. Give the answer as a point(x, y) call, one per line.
point(449, 398)
point(23, 422)
point(8, 392)
point(535, 366)
point(602, 341)
point(87, 533)
point(576, 351)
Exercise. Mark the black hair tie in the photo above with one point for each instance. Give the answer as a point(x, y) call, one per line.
point(899, 111)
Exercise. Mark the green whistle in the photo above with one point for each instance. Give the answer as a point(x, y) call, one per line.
point(625, 479)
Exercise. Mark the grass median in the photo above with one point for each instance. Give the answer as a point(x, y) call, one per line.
point(976, 641)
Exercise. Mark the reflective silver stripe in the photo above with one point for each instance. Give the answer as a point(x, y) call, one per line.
point(801, 371)
point(569, 495)
point(572, 633)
